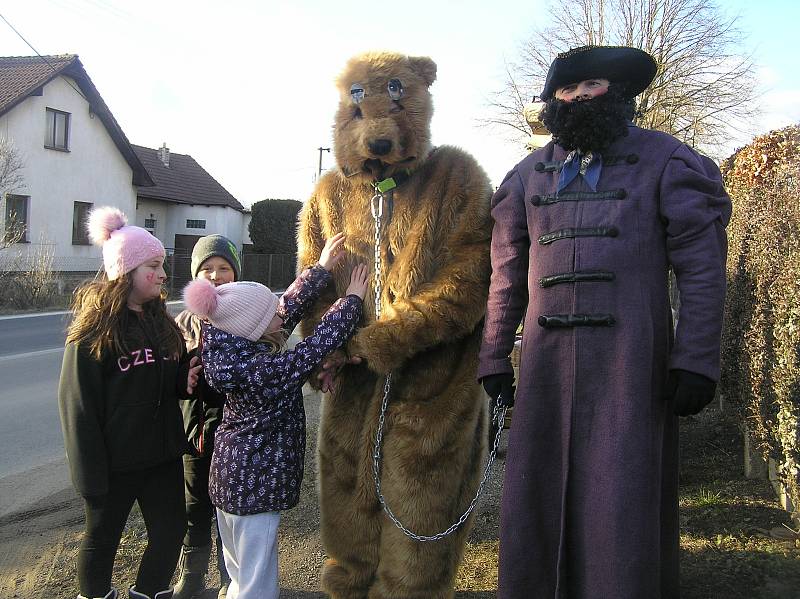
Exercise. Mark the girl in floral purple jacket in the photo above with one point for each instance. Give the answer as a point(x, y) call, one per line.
point(257, 464)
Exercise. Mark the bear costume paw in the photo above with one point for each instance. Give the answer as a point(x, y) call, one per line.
point(381, 345)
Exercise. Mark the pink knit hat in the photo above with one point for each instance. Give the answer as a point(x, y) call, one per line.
point(124, 246)
point(243, 308)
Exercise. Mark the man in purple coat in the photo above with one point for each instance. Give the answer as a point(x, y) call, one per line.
point(585, 232)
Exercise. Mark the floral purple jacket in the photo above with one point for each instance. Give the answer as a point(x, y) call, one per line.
point(259, 447)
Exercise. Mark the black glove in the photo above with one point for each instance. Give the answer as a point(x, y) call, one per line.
point(500, 387)
point(690, 392)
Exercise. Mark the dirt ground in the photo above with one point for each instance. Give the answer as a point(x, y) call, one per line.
point(728, 536)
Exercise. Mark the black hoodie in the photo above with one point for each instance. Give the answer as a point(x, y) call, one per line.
point(121, 413)
point(202, 412)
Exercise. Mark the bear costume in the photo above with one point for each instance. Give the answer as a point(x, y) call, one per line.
point(436, 232)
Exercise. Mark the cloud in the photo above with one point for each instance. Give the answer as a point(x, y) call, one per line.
point(781, 108)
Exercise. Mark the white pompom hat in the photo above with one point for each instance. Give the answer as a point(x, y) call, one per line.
point(124, 246)
point(244, 308)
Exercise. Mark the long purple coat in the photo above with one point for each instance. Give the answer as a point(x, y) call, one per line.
point(590, 505)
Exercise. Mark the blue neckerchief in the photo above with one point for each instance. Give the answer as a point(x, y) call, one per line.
point(587, 165)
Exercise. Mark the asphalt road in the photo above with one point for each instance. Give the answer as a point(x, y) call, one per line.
point(31, 446)
point(30, 333)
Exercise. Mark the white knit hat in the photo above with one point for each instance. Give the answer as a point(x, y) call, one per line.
point(244, 308)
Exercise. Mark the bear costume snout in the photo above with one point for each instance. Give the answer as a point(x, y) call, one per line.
point(380, 147)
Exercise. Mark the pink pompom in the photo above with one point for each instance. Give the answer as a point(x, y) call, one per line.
point(200, 297)
point(103, 221)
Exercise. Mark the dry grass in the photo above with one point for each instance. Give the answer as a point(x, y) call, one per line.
point(727, 528)
point(727, 521)
point(478, 571)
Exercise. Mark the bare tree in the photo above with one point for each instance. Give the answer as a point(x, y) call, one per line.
point(10, 233)
point(703, 87)
point(30, 281)
point(11, 179)
point(11, 166)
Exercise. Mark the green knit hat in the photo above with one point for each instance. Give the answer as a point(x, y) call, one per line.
point(215, 245)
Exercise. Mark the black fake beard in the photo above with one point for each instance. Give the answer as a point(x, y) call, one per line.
point(589, 125)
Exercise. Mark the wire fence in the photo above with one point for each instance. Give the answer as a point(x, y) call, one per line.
point(276, 271)
point(178, 265)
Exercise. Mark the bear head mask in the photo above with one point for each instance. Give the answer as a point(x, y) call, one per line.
point(383, 120)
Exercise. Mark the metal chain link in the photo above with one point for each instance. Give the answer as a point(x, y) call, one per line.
point(498, 414)
point(376, 205)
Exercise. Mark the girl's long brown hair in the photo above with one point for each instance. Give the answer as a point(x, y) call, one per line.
point(100, 318)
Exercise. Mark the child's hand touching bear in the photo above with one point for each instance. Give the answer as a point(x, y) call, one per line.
point(333, 252)
point(359, 281)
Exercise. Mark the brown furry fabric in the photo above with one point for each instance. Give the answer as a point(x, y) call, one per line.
point(436, 264)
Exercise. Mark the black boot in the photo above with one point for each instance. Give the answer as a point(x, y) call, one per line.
point(192, 571)
point(224, 577)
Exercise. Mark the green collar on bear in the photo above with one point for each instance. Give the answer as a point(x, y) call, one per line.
point(392, 182)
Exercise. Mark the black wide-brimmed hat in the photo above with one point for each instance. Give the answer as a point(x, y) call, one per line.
point(619, 64)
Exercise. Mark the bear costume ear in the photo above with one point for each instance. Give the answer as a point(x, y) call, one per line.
point(424, 67)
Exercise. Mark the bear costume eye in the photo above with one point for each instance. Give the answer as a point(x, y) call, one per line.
point(395, 89)
point(357, 93)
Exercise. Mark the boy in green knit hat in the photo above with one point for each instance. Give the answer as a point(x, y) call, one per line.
point(216, 259)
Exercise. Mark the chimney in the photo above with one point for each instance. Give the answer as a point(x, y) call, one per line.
point(163, 154)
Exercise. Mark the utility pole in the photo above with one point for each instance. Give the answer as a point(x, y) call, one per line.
point(321, 150)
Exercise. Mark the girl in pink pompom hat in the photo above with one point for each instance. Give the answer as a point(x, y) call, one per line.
point(125, 368)
point(125, 247)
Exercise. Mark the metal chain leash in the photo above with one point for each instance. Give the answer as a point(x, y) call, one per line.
point(498, 414)
point(376, 205)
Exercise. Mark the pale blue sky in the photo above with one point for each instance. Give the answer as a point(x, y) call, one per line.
point(247, 87)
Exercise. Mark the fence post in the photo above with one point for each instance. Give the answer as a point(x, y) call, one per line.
point(269, 271)
point(172, 275)
point(754, 464)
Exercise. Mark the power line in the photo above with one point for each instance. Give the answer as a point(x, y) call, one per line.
point(47, 62)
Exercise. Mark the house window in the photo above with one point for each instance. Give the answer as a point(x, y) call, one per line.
point(80, 213)
point(57, 130)
point(16, 228)
point(150, 225)
point(195, 224)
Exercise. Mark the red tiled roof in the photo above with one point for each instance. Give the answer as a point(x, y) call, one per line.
point(183, 182)
point(21, 76)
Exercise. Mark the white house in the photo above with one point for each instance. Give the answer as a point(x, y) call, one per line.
point(75, 156)
point(541, 136)
point(73, 153)
point(185, 202)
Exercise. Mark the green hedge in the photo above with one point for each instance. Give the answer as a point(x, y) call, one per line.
point(761, 338)
point(273, 226)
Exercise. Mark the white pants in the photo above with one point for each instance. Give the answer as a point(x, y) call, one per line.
point(250, 547)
